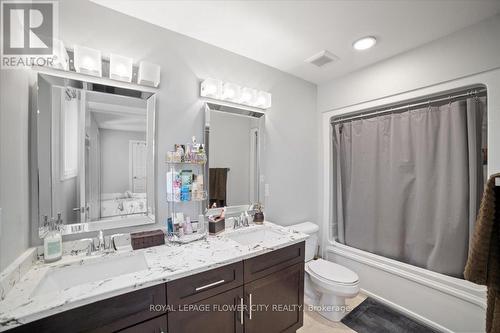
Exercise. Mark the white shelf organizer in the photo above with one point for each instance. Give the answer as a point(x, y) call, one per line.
point(194, 206)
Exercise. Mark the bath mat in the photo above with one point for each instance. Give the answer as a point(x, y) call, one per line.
point(374, 317)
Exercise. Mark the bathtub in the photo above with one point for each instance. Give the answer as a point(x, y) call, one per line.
point(445, 303)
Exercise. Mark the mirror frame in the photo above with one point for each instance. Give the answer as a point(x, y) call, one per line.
point(240, 111)
point(89, 83)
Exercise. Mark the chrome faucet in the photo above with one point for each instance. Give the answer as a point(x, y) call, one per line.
point(244, 219)
point(100, 241)
point(236, 223)
point(241, 221)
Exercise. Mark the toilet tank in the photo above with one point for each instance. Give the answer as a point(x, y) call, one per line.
point(312, 242)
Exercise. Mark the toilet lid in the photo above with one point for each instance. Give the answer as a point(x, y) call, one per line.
point(332, 271)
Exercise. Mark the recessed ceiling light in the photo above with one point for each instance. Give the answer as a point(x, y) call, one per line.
point(364, 43)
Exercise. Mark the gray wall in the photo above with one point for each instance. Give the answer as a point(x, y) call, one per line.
point(115, 159)
point(291, 127)
point(290, 124)
point(14, 233)
point(230, 148)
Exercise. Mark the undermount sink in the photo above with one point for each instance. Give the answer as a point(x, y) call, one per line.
point(255, 236)
point(61, 278)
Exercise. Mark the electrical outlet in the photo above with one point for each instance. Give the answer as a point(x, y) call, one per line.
point(266, 190)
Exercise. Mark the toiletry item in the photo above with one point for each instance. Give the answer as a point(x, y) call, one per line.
point(170, 226)
point(185, 193)
point(202, 224)
point(176, 226)
point(188, 228)
point(197, 188)
point(177, 157)
point(194, 226)
point(180, 151)
point(52, 242)
point(173, 186)
point(258, 217)
point(186, 182)
point(179, 218)
point(170, 156)
point(186, 177)
point(187, 154)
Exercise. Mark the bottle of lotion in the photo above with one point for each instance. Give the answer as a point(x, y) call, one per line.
point(52, 242)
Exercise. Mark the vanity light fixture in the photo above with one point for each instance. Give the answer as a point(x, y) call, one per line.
point(231, 92)
point(364, 43)
point(211, 88)
point(120, 68)
point(263, 100)
point(88, 61)
point(149, 74)
point(248, 96)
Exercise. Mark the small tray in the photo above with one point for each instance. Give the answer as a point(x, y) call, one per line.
point(186, 238)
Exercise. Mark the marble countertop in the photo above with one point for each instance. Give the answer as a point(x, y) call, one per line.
point(168, 262)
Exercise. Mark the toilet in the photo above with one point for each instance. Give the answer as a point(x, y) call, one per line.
point(326, 284)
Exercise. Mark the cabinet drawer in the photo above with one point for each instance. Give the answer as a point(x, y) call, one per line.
point(197, 287)
point(109, 315)
point(268, 263)
point(155, 325)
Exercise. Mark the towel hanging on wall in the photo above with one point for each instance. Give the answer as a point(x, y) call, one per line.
point(483, 263)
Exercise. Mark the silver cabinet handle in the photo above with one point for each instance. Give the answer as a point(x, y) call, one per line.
point(241, 311)
point(210, 285)
point(250, 306)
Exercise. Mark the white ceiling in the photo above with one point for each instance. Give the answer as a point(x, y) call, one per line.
point(282, 34)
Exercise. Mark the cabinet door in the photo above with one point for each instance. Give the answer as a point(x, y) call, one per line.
point(155, 325)
point(275, 303)
point(221, 313)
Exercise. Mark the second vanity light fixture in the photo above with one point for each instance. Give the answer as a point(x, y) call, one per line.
point(231, 92)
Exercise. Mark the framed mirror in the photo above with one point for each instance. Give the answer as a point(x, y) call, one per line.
point(93, 155)
point(233, 137)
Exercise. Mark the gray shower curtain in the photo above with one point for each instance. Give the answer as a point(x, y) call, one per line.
point(409, 184)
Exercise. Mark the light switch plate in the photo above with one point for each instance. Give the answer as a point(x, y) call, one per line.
point(266, 190)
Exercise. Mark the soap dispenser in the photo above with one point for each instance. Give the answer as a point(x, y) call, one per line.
point(52, 242)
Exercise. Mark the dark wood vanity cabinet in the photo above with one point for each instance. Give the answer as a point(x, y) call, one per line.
point(276, 301)
point(260, 294)
point(109, 315)
point(270, 296)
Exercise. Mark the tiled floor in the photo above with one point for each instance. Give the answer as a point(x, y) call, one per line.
point(315, 323)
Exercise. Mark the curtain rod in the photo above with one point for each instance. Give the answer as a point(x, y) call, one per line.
point(474, 92)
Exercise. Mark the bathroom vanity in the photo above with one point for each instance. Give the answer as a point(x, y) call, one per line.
point(246, 280)
point(217, 285)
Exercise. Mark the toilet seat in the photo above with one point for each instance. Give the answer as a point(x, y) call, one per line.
point(332, 272)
